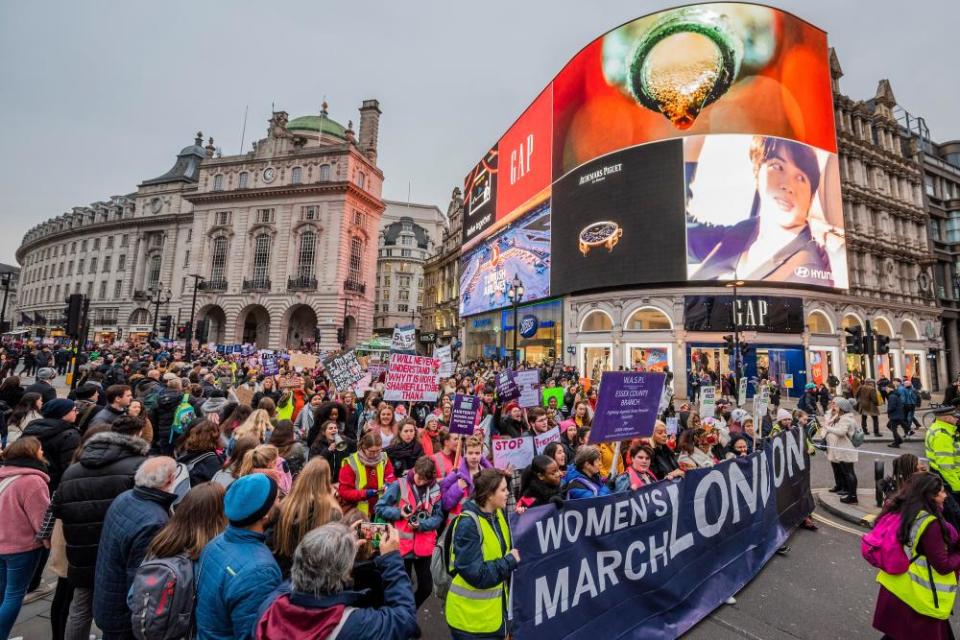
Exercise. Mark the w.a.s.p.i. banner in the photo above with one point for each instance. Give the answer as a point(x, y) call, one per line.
point(652, 563)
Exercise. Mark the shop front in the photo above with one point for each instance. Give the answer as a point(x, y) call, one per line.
point(139, 333)
point(539, 333)
point(482, 337)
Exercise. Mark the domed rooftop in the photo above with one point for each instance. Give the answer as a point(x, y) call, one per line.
point(321, 123)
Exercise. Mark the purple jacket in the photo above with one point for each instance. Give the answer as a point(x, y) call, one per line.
point(450, 492)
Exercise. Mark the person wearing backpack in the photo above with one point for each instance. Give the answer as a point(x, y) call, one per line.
point(840, 450)
point(917, 602)
point(896, 413)
point(199, 452)
point(132, 520)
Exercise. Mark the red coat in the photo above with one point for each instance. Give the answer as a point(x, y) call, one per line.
point(353, 495)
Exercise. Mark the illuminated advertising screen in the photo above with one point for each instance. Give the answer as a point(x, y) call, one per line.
point(520, 249)
point(721, 115)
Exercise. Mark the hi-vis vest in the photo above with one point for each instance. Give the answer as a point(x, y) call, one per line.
point(479, 610)
point(360, 474)
point(443, 464)
point(421, 543)
point(927, 592)
point(941, 453)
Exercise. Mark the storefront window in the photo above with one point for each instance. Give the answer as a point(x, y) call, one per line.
point(482, 339)
point(821, 366)
point(596, 360)
point(540, 334)
point(596, 321)
point(648, 320)
point(649, 358)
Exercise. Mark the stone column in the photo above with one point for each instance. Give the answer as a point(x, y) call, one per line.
point(953, 357)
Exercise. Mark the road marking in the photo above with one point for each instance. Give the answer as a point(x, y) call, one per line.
point(837, 525)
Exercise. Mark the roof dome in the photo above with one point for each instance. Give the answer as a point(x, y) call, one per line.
point(321, 123)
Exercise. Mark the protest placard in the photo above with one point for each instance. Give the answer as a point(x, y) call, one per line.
point(553, 392)
point(507, 388)
point(513, 451)
point(442, 353)
point(244, 395)
point(742, 392)
point(673, 425)
point(344, 370)
point(412, 378)
point(404, 339)
point(270, 366)
point(463, 415)
point(375, 368)
point(761, 402)
point(627, 406)
point(541, 440)
point(448, 369)
point(528, 382)
point(306, 361)
point(290, 381)
point(708, 401)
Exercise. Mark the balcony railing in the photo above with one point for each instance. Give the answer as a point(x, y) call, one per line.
point(140, 295)
point(301, 283)
point(213, 285)
point(257, 284)
point(354, 286)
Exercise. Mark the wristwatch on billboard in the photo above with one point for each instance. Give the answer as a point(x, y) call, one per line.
point(600, 234)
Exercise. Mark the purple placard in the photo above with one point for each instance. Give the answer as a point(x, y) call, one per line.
point(507, 388)
point(463, 417)
point(627, 406)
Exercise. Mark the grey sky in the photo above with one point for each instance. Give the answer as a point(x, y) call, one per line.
point(96, 96)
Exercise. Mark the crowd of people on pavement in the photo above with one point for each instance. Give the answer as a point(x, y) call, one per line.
point(275, 505)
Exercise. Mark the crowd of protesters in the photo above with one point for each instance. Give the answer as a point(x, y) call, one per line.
point(293, 509)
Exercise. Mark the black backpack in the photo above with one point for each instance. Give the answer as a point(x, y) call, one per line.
point(161, 599)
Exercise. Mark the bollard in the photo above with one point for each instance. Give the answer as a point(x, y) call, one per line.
point(878, 478)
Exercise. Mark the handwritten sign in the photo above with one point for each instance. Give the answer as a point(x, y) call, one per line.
point(541, 440)
point(627, 406)
point(442, 353)
point(513, 451)
point(463, 415)
point(306, 361)
point(412, 378)
point(404, 339)
point(448, 369)
point(344, 370)
point(528, 381)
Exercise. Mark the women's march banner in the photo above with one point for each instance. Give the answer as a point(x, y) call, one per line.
point(652, 563)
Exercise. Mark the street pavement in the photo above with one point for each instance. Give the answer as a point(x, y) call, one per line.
point(821, 589)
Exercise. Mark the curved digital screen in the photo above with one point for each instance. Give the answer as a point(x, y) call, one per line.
point(698, 141)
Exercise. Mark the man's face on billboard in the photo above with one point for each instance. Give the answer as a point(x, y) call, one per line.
point(785, 190)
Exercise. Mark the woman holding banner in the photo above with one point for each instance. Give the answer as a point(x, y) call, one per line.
point(483, 558)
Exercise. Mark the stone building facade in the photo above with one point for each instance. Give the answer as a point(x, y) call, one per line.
point(281, 239)
point(441, 278)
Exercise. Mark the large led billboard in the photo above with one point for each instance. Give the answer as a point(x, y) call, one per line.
point(721, 115)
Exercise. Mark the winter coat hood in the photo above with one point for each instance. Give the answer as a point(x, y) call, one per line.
point(106, 448)
point(44, 428)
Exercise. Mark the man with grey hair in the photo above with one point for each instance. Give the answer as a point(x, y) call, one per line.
point(316, 601)
point(132, 520)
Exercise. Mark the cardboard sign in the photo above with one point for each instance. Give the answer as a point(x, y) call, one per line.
point(627, 406)
point(541, 440)
point(528, 382)
point(404, 339)
point(507, 388)
point(463, 416)
point(742, 392)
point(306, 361)
point(442, 354)
point(553, 392)
point(343, 369)
point(518, 452)
point(708, 401)
point(244, 395)
point(788, 381)
point(290, 381)
point(413, 378)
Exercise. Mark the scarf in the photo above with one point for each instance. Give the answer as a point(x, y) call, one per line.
point(371, 462)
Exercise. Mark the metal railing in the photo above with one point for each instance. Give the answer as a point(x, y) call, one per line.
point(256, 284)
point(301, 283)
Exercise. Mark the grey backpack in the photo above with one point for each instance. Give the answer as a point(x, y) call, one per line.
point(161, 599)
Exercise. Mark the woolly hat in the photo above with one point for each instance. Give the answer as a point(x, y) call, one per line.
point(738, 416)
point(213, 405)
point(809, 386)
point(46, 373)
point(249, 498)
point(57, 408)
point(86, 391)
point(844, 404)
point(783, 414)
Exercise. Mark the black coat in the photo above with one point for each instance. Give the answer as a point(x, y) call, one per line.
point(46, 391)
point(664, 461)
point(12, 395)
point(59, 440)
point(105, 469)
point(162, 416)
point(208, 463)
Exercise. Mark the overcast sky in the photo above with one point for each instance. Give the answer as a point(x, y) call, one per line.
point(96, 96)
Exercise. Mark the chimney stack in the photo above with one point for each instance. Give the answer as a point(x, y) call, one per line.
point(369, 128)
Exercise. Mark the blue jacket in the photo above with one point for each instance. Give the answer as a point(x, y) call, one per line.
point(895, 409)
point(387, 509)
point(396, 620)
point(909, 395)
point(236, 569)
point(581, 488)
point(132, 520)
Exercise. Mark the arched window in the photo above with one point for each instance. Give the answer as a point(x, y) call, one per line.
point(154, 272)
point(356, 260)
point(596, 321)
point(908, 330)
point(817, 322)
point(648, 319)
point(218, 265)
point(324, 172)
point(307, 255)
point(261, 258)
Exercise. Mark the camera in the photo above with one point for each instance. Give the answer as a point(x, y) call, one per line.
point(417, 517)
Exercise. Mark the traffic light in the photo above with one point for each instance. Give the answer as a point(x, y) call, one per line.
point(340, 336)
point(201, 334)
point(728, 346)
point(746, 350)
point(855, 340)
point(165, 322)
point(73, 314)
point(883, 344)
point(182, 332)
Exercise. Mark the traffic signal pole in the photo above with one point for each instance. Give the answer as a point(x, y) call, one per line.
point(868, 348)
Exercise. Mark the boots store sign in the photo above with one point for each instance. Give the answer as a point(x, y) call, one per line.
point(764, 314)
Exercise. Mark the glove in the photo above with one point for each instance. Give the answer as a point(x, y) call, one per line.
point(371, 493)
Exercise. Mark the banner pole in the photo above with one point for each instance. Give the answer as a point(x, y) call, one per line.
point(613, 465)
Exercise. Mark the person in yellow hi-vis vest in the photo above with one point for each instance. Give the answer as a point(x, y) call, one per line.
point(918, 602)
point(364, 475)
point(482, 558)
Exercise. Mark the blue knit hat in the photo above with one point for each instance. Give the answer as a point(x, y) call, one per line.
point(249, 498)
point(57, 408)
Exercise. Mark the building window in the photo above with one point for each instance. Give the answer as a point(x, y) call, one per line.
point(124, 240)
point(306, 258)
point(190, 234)
point(243, 179)
point(93, 264)
point(219, 262)
point(356, 259)
point(106, 264)
point(89, 289)
point(186, 258)
point(310, 213)
point(70, 268)
point(404, 294)
point(60, 270)
point(221, 218)
point(83, 246)
point(402, 308)
point(96, 244)
point(362, 180)
point(261, 257)
point(103, 290)
point(295, 175)
point(121, 263)
point(80, 264)
point(154, 272)
point(405, 253)
point(359, 220)
point(264, 216)
point(117, 289)
point(109, 242)
point(218, 182)
point(324, 172)
point(406, 240)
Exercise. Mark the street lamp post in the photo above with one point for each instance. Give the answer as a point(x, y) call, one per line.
point(737, 363)
point(515, 294)
point(6, 278)
point(158, 297)
point(197, 279)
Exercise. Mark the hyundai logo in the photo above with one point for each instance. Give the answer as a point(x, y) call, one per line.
point(802, 272)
